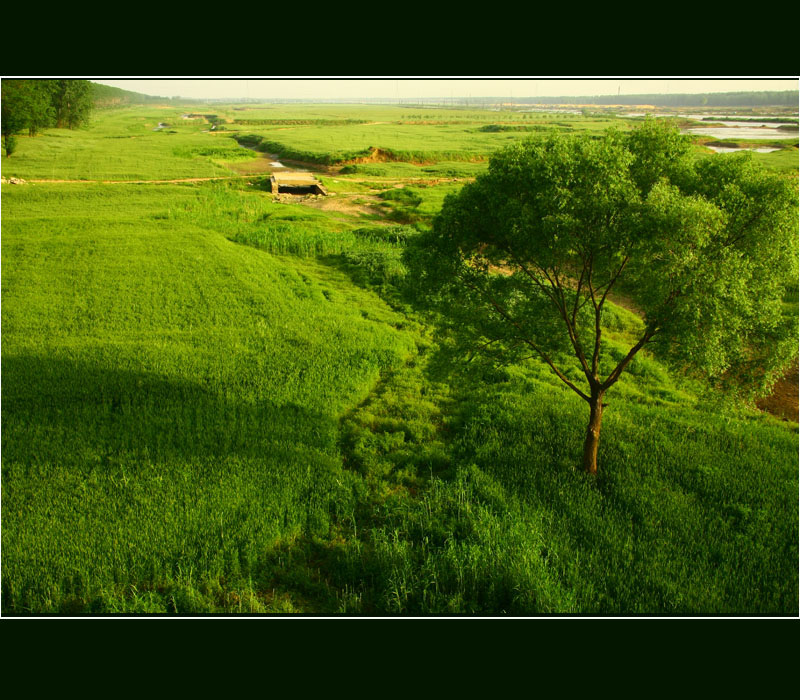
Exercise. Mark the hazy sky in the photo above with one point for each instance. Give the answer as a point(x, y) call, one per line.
point(346, 88)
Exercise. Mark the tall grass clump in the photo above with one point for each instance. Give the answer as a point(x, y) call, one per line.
point(374, 254)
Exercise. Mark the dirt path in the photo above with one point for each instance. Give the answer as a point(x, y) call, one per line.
point(140, 182)
point(243, 176)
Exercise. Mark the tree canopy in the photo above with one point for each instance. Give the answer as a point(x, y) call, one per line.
point(38, 104)
point(522, 261)
point(72, 102)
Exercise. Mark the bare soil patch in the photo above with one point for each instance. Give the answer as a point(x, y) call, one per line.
point(252, 167)
point(783, 401)
point(353, 205)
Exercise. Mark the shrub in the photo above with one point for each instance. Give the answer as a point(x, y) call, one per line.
point(389, 234)
point(403, 196)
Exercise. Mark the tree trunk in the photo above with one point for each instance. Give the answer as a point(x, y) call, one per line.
point(593, 432)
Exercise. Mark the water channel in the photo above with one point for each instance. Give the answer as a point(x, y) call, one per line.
point(744, 129)
point(750, 132)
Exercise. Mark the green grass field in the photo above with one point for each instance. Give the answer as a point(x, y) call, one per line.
point(215, 402)
point(123, 145)
point(427, 137)
point(170, 398)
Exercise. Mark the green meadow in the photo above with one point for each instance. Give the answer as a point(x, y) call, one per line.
point(402, 134)
point(784, 160)
point(213, 401)
point(124, 145)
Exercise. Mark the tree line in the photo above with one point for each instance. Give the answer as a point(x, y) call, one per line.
point(33, 105)
point(767, 98)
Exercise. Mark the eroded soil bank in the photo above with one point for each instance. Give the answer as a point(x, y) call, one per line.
point(783, 401)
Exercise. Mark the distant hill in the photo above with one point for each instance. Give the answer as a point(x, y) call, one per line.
point(106, 96)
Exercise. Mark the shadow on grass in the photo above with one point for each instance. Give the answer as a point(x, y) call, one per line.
point(56, 410)
point(117, 481)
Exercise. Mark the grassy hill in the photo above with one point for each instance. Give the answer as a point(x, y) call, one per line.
point(216, 402)
point(107, 97)
point(170, 398)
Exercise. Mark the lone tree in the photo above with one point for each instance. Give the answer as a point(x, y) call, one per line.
point(522, 261)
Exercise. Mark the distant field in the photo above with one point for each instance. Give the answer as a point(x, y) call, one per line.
point(785, 160)
point(372, 113)
point(124, 146)
point(415, 137)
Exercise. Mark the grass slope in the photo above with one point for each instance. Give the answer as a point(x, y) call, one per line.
point(170, 398)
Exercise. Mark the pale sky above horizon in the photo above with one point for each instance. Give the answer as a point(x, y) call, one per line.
point(355, 88)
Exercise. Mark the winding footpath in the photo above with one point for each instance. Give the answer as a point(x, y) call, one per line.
point(140, 182)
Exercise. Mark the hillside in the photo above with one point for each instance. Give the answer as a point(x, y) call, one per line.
point(106, 96)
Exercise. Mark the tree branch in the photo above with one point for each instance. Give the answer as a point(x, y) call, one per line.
point(575, 306)
point(555, 296)
point(598, 312)
point(620, 368)
point(505, 315)
point(614, 279)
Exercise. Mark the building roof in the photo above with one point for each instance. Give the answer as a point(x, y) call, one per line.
point(295, 179)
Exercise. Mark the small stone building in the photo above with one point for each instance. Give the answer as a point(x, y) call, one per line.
point(296, 183)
